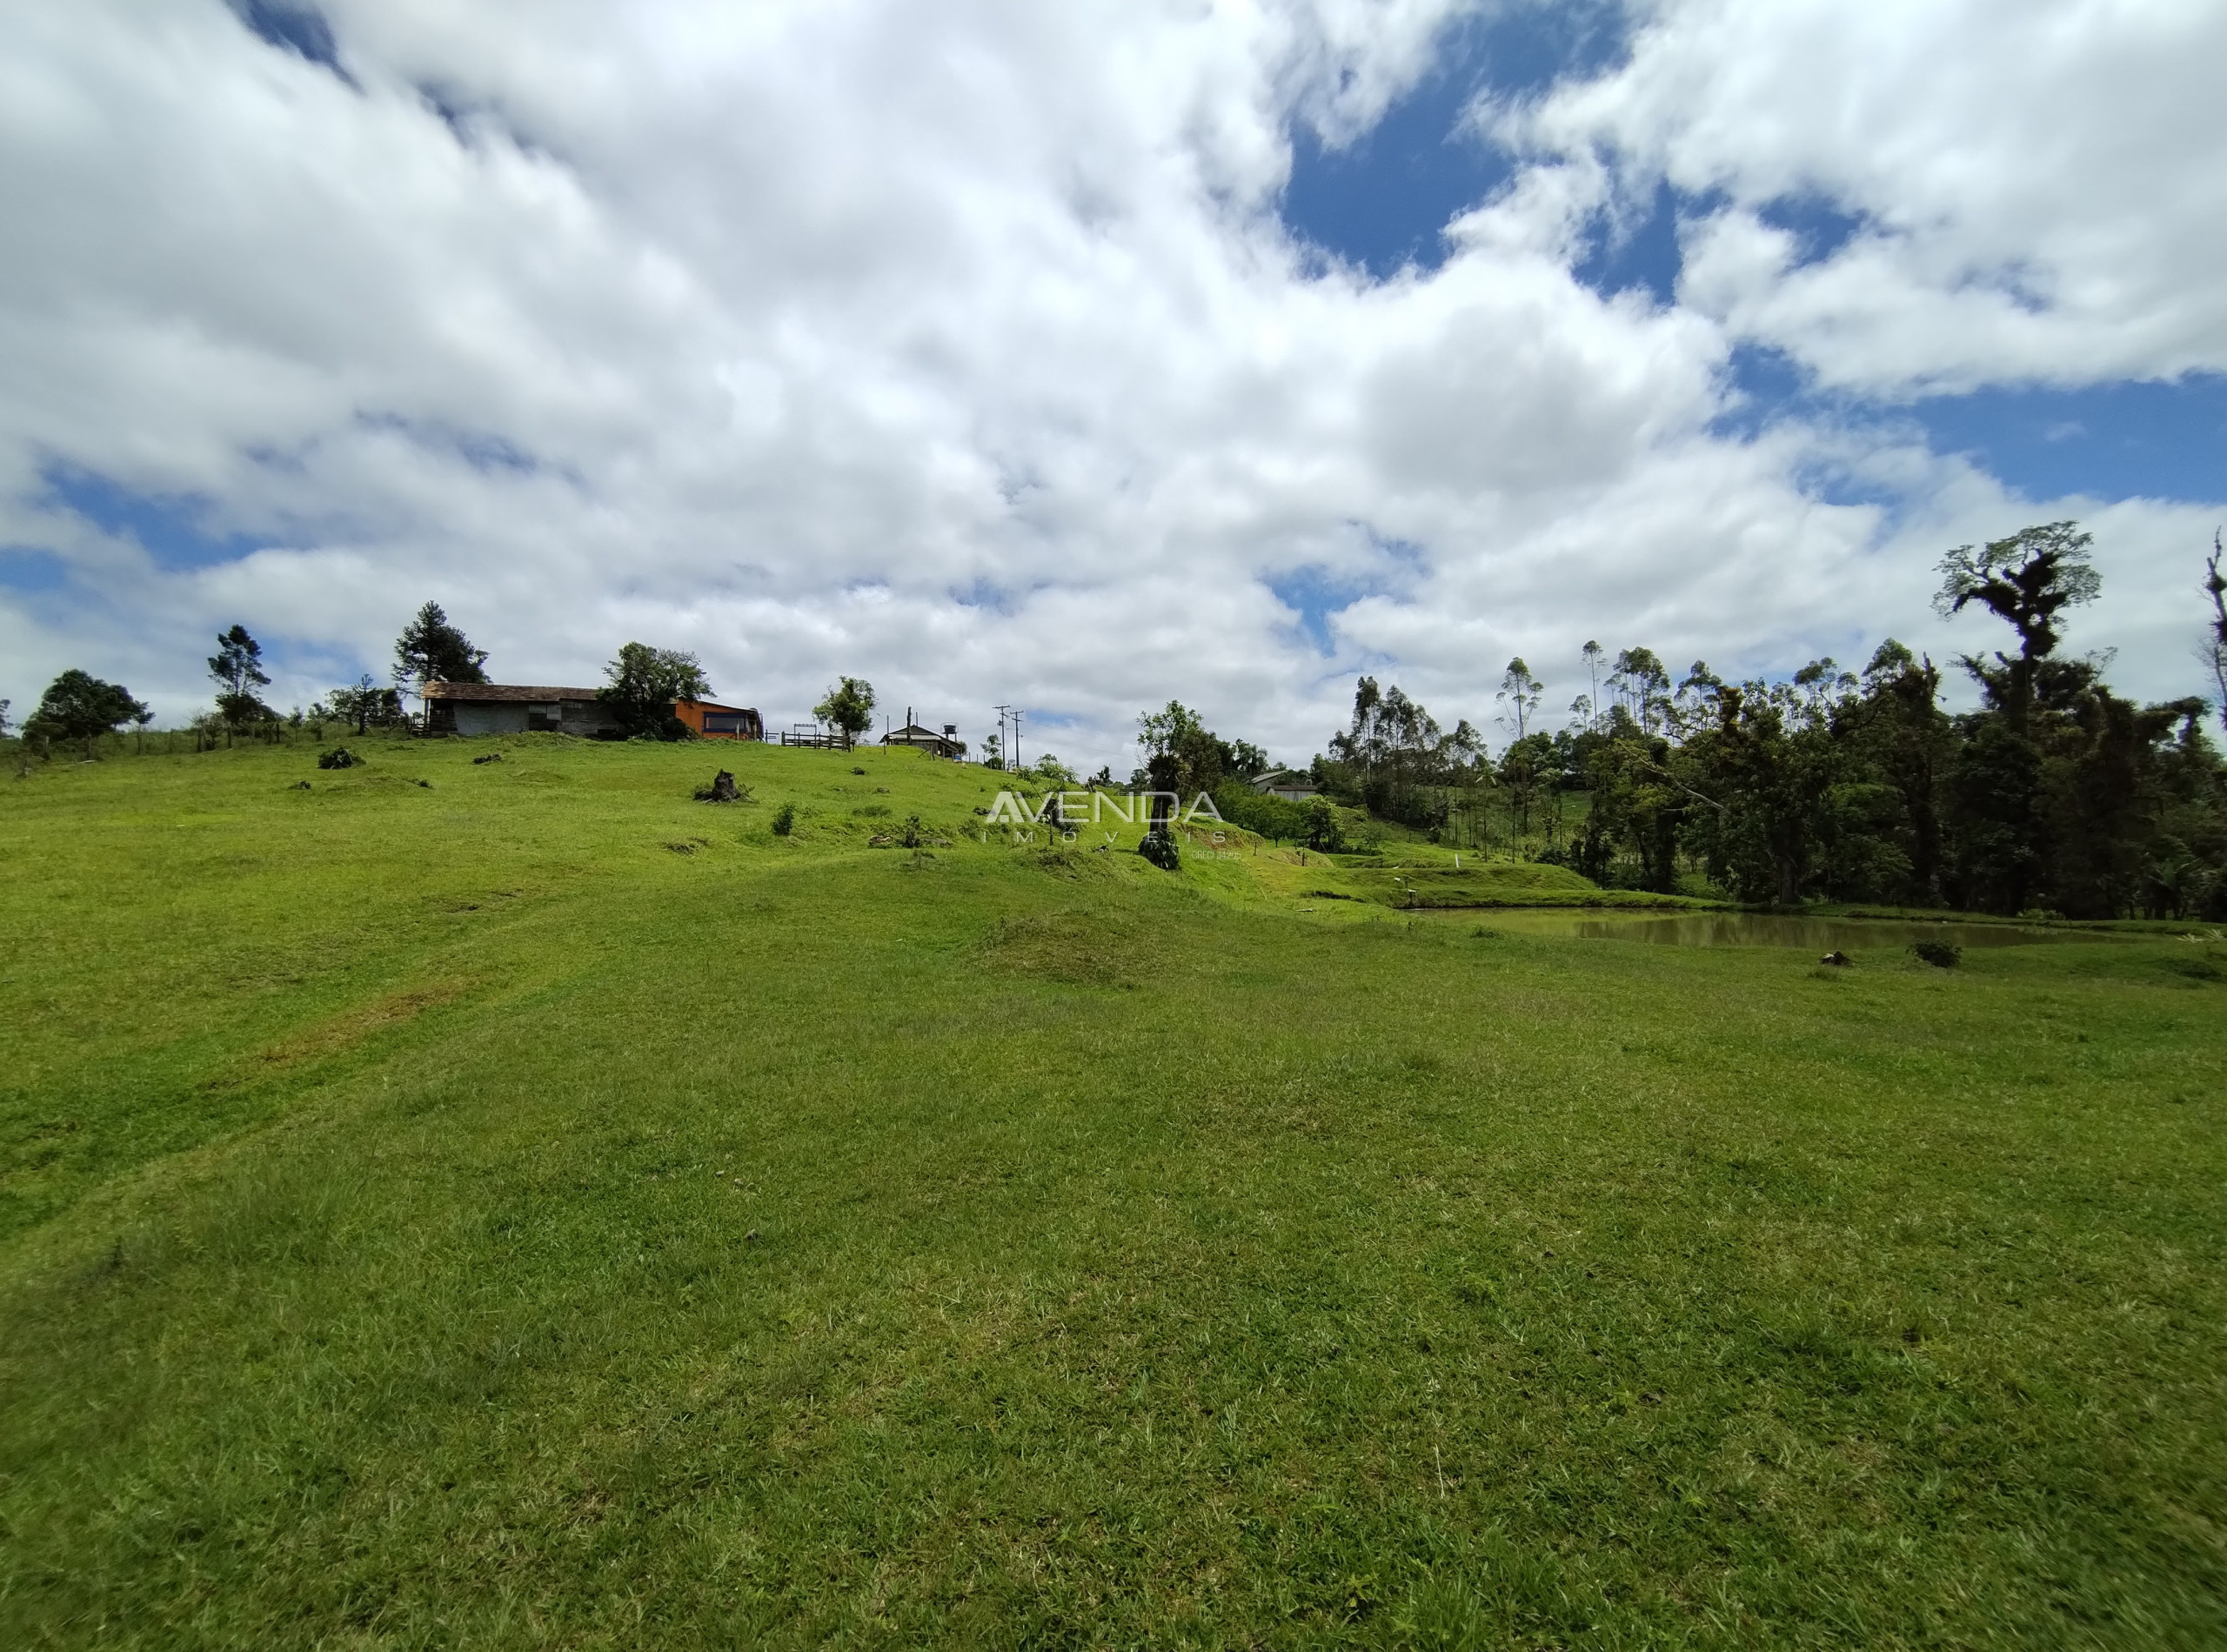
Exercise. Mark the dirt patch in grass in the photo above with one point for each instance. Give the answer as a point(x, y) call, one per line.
point(352, 1027)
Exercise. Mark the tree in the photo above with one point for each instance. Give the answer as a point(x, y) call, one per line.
point(1519, 771)
point(643, 684)
point(431, 650)
point(1394, 760)
point(1322, 830)
point(2026, 581)
point(1183, 755)
point(849, 707)
point(368, 706)
point(78, 706)
point(1766, 790)
point(1642, 684)
point(237, 669)
point(1519, 694)
point(1900, 732)
point(1592, 652)
point(2214, 652)
point(1244, 760)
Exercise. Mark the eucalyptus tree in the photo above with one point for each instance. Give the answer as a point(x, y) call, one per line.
point(1519, 696)
point(1643, 685)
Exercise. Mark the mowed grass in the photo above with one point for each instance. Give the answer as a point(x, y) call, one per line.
point(538, 1209)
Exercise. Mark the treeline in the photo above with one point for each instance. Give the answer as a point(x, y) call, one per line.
point(2055, 795)
point(641, 686)
point(79, 708)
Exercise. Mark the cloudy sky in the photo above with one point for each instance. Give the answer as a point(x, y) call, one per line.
point(1081, 355)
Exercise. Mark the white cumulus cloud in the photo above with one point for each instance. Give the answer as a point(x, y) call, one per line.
point(962, 347)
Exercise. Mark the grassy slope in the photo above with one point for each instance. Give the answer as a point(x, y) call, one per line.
point(1137, 1257)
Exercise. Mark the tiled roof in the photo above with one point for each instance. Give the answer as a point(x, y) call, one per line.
point(504, 690)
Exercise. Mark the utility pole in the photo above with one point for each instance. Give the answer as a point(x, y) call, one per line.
point(1016, 737)
point(1004, 756)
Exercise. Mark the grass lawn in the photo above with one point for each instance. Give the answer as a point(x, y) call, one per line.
point(535, 1208)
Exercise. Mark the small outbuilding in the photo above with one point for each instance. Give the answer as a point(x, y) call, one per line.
point(1294, 785)
point(947, 743)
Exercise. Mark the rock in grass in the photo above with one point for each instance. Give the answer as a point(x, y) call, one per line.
point(722, 789)
point(1836, 959)
point(491, 757)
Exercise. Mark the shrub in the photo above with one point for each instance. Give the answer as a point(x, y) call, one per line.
point(785, 819)
point(1159, 847)
point(339, 758)
point(1942, 954)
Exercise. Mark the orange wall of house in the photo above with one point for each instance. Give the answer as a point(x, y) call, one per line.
point(691, 712)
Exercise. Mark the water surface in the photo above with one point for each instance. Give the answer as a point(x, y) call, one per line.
point(1819, 935)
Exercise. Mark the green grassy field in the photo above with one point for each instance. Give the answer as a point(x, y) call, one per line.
point(535, 1208)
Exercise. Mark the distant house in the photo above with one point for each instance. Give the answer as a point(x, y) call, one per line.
point(507, 708)
point(947, 744)
point(1293, 785)
point(717, 722)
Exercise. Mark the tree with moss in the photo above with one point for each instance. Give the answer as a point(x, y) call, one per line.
point(2026, 581)
point(2214, 652)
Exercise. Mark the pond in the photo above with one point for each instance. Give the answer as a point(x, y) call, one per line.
point(1819, 935)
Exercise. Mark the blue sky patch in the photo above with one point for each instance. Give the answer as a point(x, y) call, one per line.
point(29, 571)
point(1381, 202)
point(1642, 252)
point(1315, 594)
point(292, 25)
point(2157, 440)
point(172, 529)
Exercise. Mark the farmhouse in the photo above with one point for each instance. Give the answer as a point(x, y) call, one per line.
point(505, 708)
point(508, 708)
point(947, 744)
